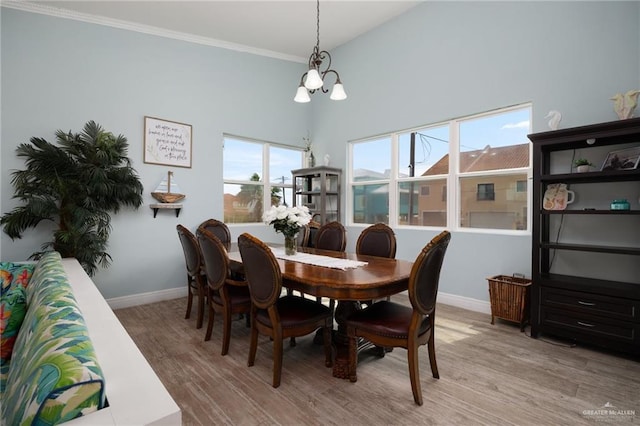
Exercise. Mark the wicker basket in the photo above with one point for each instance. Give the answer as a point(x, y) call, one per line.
point(509, 297)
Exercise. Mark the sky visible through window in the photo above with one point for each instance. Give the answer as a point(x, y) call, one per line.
point(242, 159)
point(432, 143)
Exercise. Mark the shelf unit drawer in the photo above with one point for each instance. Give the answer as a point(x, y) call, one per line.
point(592, 304)
point(588, 326)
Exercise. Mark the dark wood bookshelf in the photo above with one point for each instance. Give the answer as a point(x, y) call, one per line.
point(587, 309)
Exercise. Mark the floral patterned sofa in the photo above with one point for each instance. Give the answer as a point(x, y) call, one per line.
point(49, 371)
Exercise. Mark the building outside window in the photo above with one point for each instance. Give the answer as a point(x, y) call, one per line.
point(491, 154)
point(255, 174)
point(485, 192)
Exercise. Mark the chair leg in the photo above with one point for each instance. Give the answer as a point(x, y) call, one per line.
point(189, 299)
point(277, 359)
point(200, 307)
point(414, 372)
point(212, 314)
point(253, 346)
point(432, 356)
point(226, 333)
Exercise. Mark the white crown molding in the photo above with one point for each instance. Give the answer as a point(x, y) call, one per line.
point(145, 29)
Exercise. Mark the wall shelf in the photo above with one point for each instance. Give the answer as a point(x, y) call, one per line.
point(165, 206)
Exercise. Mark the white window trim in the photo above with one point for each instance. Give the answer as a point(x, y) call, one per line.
point(452, 178)
point(265, 179)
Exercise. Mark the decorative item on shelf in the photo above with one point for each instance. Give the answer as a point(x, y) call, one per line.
point(620, 204)
point(557, 196)
point(310, 160)
point(582, 165)
point(167, 191)
point(288, 221)
point(554, 119)
point(314, 78)
point(622, 159)
point(624, 105)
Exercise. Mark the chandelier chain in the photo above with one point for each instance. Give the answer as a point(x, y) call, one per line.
point(318, 24)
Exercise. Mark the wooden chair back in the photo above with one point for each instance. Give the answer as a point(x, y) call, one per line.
point(191, 250)
point(215, 258)
point(377, 240)
point(261, 270)
point(425, 274)
point(303, 236)
point(331, 236)
point(194, 265)
point(217, 228)
point(313, 228)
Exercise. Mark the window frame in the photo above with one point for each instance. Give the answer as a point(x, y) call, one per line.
point(265, 179)
point(451, 190)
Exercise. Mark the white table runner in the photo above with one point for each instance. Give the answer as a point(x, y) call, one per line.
point(314, 259)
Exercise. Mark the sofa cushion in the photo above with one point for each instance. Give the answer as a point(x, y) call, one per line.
point(13, 306)
point(62, 378)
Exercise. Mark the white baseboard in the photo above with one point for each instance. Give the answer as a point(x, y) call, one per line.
point(465, 302)
point(145, 298)
point(175, 293)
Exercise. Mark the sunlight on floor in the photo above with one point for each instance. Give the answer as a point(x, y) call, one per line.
point(450, 331)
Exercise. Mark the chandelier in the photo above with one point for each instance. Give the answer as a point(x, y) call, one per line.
point(315, 76)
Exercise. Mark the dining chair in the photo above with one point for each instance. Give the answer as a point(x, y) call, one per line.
point(276, 316)
point(195, 272)
point(225, 294)
point(313, 228)
point(303, 236)
point(389, 324)
point(217, 228)
point(331, 236)
point(377, 240)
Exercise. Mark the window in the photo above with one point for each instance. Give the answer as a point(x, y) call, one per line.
point(485, 192)
point(256, 173)
point(479, 158)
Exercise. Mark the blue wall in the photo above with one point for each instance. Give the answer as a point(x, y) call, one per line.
point(443, 60)
point(439, 60)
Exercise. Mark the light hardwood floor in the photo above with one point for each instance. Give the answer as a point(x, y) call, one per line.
point(489, 375)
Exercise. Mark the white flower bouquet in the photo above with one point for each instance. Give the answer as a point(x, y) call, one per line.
point(287, 220)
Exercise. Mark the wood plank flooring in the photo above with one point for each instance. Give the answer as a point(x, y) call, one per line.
point(489, 375)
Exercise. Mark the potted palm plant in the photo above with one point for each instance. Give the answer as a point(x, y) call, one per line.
point(76, 185)
point(582, 165)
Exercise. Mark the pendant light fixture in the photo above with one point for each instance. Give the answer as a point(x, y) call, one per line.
point(314, 78)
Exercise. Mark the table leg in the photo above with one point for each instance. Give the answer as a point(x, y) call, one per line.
point(340, 339)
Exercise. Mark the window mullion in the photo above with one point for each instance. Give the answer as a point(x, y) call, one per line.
point(453, 193)
point(266, 179)
point(393, 182)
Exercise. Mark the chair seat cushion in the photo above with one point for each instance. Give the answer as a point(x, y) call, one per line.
point(385, 318)
point(238, 295)
point(295, 311)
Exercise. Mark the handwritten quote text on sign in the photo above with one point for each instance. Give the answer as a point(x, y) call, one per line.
point(167, 142)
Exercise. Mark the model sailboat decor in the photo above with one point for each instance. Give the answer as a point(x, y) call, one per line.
point(167, 191)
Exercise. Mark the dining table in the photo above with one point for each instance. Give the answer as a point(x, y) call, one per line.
point(372, 278)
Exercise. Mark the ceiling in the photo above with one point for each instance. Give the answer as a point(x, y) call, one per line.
point(286, 28)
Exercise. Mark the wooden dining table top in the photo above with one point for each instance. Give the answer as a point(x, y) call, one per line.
point(380, 277)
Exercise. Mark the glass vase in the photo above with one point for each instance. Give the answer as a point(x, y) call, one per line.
point(290, 245)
